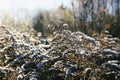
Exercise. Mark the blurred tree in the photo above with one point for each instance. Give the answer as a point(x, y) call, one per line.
point(95, 15)
point(88, 16)
point(38, 23)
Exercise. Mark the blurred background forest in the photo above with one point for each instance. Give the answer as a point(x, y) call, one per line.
point(88, 16)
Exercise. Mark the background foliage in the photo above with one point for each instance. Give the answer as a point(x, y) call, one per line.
point(88, 16)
